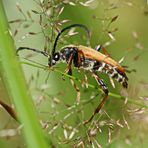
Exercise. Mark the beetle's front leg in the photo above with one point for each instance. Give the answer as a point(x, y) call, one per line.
point(105, 90)
point(68, 70)
point(69, 62)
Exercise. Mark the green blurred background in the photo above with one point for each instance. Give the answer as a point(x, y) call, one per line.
point(52, 95)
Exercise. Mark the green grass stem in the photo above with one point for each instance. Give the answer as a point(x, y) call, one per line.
point(113, 95)
point(15, 85)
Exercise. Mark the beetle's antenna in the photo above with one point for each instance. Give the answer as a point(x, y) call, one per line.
point(32, 49)
point(68, 27)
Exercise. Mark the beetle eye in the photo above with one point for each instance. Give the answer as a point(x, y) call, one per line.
point(56, 56)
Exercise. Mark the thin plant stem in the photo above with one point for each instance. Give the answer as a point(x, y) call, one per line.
point(113, 95)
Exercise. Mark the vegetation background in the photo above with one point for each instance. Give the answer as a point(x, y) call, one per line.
point(122, 27)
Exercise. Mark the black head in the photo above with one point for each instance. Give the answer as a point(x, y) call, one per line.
point(53, 59)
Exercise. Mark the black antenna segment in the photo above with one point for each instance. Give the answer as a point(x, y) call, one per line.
point(66, 28)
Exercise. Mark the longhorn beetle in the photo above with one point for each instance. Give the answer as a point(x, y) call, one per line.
point(88, 59)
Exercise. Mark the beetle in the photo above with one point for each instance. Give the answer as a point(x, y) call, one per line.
point(83, 57)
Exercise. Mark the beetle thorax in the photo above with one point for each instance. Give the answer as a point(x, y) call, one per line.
point(66, 52)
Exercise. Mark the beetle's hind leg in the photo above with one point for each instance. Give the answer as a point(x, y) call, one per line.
point(105, 90)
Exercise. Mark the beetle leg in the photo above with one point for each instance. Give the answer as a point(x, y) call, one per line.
point(100, 47)
point(69, 62)
point(105, 90)
point(69, 72)
point(105, 52)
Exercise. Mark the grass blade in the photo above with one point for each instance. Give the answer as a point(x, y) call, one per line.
point(16, 87)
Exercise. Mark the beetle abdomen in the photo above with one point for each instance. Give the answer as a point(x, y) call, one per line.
point(112, 72)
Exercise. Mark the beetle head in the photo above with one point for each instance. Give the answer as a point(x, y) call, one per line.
point(53, 59)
